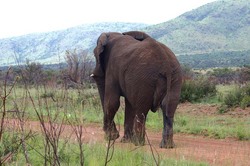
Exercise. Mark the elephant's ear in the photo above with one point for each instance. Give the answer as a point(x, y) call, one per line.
point(137, 35)
point(101, 43)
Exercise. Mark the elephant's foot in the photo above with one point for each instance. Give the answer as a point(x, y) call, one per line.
point(168, 144)
point(126, 139)
point(135, 140)
point(138, 140)
point(113, 135)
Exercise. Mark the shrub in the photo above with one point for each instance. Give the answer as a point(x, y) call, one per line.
point(247, 89)
point(233, 98)
point(245, 102)
point(240, 96)
point(194, 90)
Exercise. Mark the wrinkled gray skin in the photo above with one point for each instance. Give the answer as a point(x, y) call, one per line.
point(146, 73)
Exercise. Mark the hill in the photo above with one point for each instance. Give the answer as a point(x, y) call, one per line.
point(218, 28)
point(50, 47)
point(216, 59)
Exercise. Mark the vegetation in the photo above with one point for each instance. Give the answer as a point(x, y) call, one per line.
point(213, 126)
point(51, 107)
point(95, 155)
point(216, 59)
point(200, 84)
point(63, 95)
point(67, 96)
point(49, 48)
point(215, 27)
point(210, 126)
point(195, 90)
point(238, 97)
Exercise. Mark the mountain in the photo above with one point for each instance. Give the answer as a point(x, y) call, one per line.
point(50, 47)
point(220, 27)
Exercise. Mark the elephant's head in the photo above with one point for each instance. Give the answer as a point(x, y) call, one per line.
point(98, 52)
point(102, 41)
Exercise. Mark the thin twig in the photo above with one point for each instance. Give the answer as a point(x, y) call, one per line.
point(111, 144)
point(152, 148)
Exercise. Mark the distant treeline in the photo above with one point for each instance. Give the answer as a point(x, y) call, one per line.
point(216, 59)
point(198, 61)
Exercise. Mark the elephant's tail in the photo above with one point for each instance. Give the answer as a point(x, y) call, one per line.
point(162, 91)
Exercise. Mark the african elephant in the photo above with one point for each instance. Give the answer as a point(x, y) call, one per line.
point(146, 73)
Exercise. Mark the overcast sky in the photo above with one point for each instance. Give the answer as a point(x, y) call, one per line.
point(20, 17)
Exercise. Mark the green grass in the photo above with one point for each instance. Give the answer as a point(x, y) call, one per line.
point(221, 91)
point(214, 126)
point(235, 96)
point(126, 156)
point(94, 155)
point(86, 105)
point(225, 89)
point(218, 126)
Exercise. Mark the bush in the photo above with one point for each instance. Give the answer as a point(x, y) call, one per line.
point(245, 102)
point(233, 98)
point(247, 89)
point(195, 90)
point(240, 96)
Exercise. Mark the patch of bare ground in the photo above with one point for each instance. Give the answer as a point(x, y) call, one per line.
point(215, 152)
point(226, 152)
point(211, 109)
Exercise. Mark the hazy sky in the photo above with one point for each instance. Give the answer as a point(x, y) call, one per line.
point(20, 17)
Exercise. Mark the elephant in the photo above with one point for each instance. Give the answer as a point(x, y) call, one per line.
point(146, 73)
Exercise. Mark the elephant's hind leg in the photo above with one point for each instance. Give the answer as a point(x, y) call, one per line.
point(168, 108)
point(167, 134)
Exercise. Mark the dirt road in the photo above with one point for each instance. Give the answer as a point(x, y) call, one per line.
point(227, 152)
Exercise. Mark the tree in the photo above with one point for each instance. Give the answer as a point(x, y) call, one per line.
point(79, 66)
point(32, 73)
point(187, 72)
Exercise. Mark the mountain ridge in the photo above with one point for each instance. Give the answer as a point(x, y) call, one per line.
point(50, 46)
point(218, 26)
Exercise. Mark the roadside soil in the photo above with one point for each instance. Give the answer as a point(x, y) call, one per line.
point(224, 152)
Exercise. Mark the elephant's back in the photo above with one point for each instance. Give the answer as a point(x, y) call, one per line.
point(143, 68)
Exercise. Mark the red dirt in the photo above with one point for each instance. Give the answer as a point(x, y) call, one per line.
point(211, 109)
point(196, 148)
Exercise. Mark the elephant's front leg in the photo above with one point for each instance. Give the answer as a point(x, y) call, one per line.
point(111, 105)
point(139, 129)
point(128, 123)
